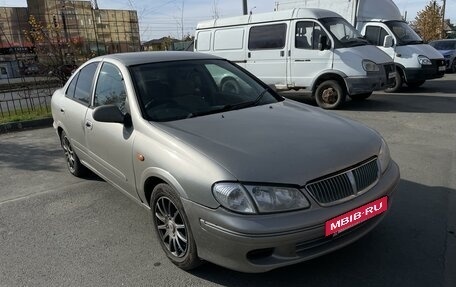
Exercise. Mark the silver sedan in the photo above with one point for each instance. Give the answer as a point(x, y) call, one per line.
point(233, 174)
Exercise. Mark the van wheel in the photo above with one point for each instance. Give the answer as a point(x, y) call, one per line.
point(398, 81)
point(329, 95)
point(172, 227)
point(360, 97)
point(453, 66)
point(415, 84)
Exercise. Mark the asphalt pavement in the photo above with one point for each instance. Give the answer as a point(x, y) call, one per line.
point(58, 230)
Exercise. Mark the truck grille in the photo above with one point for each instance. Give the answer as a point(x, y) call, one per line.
point(345, 185)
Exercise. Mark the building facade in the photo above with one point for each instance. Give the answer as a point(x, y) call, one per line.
point(74, 29)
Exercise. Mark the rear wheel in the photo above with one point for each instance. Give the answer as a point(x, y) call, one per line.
point(74, 165)
point(360, 97)
point(172, 227)
point(398, 81)
point(330, 95)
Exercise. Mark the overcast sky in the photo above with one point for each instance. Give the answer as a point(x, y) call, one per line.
point(160, 18)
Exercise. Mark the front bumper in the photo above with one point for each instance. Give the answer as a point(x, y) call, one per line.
point(259, 243)
point(373, 81)
point(426, 72)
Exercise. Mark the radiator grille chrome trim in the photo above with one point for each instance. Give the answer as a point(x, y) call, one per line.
point(345, 185)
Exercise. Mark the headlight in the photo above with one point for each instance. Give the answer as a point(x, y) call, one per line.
point(233, 196)
point(384, 156)
point(370, 66)
point(423, 60)
point(274, 199)
point(236, 197)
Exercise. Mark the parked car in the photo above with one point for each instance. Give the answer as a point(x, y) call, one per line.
point(448, 49)
point(239, 177)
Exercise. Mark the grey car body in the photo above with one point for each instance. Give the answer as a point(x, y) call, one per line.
point(448, 49)
point(277, 143)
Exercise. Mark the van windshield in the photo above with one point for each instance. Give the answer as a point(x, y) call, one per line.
point(404, 34)
point(343, 32)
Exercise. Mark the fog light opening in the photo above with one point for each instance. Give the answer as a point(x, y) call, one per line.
point(259, 254)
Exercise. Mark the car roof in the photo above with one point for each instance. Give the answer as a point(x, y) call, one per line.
point(136, 58)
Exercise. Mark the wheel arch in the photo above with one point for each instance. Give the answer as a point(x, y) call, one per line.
point(335, 76)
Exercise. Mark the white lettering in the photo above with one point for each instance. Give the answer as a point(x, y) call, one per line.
point(357, 215)
point(377, 209)
point(344, 221)
point(335, 225)
point(370, 209)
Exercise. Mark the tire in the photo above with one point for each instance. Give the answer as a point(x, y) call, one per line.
point(453, 66)
point(415, 84)
point(330, 95)
point(74, 165)
point(172, 228)
point(360, 97)
point(397, 83)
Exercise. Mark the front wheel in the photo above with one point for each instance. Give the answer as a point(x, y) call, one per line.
point(398, 81)
point(360, 97)
point(330, 95)
point(172, 227)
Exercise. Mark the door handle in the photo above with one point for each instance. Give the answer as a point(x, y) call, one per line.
point(282, 53)
point(62, 110)
point(302, 60)
point(249, 55)
point(89, 125)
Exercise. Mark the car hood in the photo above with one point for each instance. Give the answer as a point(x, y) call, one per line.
point(419, 49)
point(447, 52)
point(369, 52)
point(286, 142)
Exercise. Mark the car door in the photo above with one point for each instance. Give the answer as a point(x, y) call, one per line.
point(110, 144)
point(375, 34)
point(74, 107)
point(306, 60)
point(266, 53)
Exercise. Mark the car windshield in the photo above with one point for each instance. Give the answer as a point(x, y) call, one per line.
point(185, 89)
point(343, 32)
point(444, 45)
point(404, 34)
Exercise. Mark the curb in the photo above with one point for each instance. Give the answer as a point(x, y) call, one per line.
point(18, 126)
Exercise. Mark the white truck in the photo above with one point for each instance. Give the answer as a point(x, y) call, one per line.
point(415, 61)
point(300, 49)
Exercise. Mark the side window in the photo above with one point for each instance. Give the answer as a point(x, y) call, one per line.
point(303, 36)
point(70, 91)
point(84, 84)
point(317, 33)
point(383, 34)
point(110, 88)
point(372, 35)
point(267, 37)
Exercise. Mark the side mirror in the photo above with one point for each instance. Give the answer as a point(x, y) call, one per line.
point(108, 114)
point(388, 41)
point(323, 43)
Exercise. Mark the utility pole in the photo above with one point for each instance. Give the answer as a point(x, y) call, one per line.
point(244, 5)
point(443, 19)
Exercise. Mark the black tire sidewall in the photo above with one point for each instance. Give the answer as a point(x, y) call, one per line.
point(190, 260)
point(79, 169)
point(397, 84)
point(330, 84)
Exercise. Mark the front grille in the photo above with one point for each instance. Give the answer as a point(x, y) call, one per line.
point(345, 185)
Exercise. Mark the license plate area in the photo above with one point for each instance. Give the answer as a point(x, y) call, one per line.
point(442, 69)
point(356, 216)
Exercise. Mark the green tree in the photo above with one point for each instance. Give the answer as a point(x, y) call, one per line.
point(428, 22)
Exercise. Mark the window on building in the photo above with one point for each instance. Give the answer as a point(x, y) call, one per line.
point(267, 37)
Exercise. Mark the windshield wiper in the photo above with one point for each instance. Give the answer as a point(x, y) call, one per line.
point(230, 107)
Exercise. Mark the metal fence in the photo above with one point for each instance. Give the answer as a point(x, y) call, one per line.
point(26, 96)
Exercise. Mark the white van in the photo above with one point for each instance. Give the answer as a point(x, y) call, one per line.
point(297, 49)
point(415, 61)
